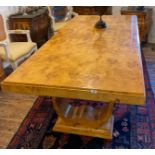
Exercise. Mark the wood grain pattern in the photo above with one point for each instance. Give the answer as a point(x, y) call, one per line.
point(37, 22)
point(13, 109)
point(73, 114)
point(144, 20)
point(15, 101)
point(93, 10)
point(2, 29)
point(105, 131)
point(86, 63)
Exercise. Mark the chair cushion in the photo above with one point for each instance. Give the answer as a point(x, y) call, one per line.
point(17, 50)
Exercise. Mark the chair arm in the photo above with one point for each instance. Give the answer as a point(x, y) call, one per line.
point(75, 14)
point(71, 15)
point(18, 31)
point(4, 44)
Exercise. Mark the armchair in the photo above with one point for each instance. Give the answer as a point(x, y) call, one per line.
point(15, 52)
point(58, 19)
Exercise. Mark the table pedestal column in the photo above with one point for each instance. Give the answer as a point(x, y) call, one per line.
point(84, 118)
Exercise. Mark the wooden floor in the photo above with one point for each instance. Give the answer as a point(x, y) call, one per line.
point(14, 107)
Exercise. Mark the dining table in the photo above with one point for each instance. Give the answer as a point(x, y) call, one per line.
point(86, 71)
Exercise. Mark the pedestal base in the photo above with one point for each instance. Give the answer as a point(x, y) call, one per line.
point(105, 131)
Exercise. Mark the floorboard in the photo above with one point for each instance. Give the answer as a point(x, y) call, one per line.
point(13, 109)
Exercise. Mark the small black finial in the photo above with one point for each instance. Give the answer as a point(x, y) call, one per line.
point(100, 24)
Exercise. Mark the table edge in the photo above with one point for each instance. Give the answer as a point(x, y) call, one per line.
point(86, 94)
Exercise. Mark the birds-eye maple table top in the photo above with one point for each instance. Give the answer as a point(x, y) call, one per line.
point(83, 62)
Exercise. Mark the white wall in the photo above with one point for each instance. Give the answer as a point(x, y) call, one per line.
point(151, 38)
point(116, 10)
point(5, 11)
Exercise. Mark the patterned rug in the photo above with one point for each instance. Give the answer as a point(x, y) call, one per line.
point(134, 127)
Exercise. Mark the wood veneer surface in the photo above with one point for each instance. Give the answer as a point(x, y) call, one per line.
point(86, 63)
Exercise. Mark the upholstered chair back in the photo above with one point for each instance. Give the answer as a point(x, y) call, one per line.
point(2, 29)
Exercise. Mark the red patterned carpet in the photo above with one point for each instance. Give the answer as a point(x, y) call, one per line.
point(134, 127)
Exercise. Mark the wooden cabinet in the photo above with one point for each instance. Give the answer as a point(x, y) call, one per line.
point(1, 70)
point(37, 22)
point(144, 20)
point(93, 10)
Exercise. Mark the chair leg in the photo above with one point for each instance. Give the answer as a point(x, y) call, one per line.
point(35, 49)
point(14, 65)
